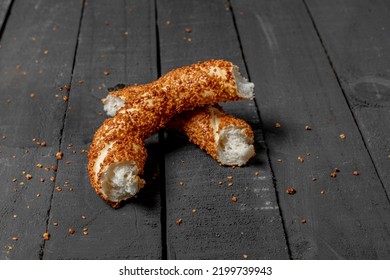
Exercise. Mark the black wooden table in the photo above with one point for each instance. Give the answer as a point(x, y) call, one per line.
point(321, 70)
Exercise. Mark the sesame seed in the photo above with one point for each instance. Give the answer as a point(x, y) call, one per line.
point(59, 155)
point(291, 191)
point(46, 236)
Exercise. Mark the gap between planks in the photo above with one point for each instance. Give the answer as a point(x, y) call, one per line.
point(262, 131)
point(4, 21)
point(161, 143)
point(42, 250)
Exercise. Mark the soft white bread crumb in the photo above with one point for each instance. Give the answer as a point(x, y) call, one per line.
point(120, 181)
point(234, 147)
point(244, 88)
point(112, 104)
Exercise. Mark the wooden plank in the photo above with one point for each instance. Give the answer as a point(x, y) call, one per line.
point(218, 228)
point(329, 218)
point(359, 55)
point(36, 57)
point(117, 37)
point(5, 5)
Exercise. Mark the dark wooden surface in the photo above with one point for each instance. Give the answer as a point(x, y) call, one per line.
point(323, 64)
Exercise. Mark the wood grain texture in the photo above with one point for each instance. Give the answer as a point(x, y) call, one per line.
point(202, 221)
point(36, 57)
point(117, 37)
point(346, 217)
point(360, 55)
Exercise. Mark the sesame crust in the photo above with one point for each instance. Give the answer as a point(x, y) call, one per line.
point(203, 127)
point(150, 107)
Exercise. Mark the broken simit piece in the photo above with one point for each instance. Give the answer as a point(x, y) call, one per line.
point(226, 138)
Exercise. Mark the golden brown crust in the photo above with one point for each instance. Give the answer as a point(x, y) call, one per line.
point(150, 107)
point(203, 125)
point(188, 87)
